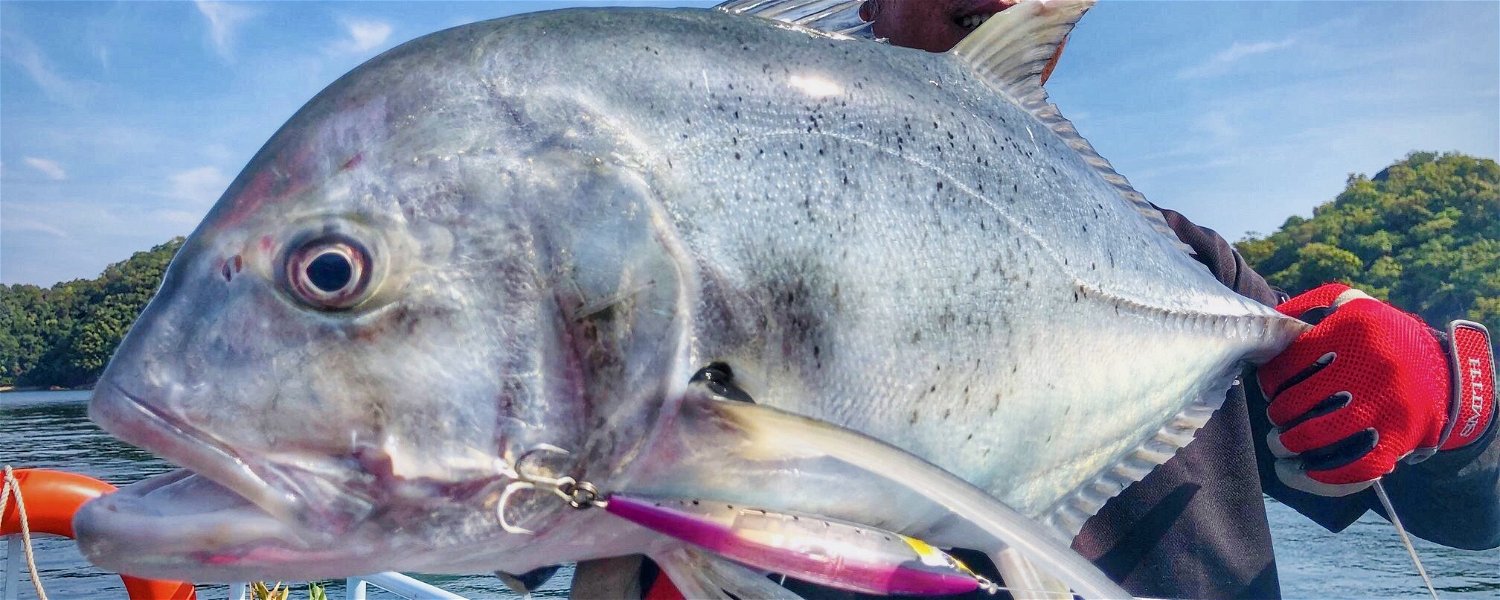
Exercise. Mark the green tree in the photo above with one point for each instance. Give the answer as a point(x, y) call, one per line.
point(22, 338)
point(1424, 234)
point(64, 335)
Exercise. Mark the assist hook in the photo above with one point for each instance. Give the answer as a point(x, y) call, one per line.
point(578, 494)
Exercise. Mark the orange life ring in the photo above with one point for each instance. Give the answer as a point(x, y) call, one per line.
point(51, 499)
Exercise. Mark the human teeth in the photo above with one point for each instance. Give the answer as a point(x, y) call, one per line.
point(974, 21)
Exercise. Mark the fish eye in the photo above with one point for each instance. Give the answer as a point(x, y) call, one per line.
point(719, 379)
point(330, 272)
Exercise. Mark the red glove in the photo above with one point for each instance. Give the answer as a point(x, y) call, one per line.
point(1368, 386)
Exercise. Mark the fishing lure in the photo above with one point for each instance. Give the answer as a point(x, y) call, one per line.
point(827, 552)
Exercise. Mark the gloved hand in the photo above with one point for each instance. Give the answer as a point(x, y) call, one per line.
point(1368, 386)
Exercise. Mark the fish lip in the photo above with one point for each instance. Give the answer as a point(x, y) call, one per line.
point(127, 417)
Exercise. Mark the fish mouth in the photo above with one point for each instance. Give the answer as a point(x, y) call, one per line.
point(212, 519)
point(135, 422)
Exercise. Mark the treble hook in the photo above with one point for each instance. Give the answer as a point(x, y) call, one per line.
point(577, 494)
point(512, 488)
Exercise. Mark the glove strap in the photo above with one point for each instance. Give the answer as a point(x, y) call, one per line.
point(1473, 372)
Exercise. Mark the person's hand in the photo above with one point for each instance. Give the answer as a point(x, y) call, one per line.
point(1369, 386)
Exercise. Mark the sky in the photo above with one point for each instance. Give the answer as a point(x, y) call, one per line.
point(121, 123)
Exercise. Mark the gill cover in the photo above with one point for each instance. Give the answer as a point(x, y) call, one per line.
point(624, 294)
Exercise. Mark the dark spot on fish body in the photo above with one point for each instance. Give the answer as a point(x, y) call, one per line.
point(913, 419)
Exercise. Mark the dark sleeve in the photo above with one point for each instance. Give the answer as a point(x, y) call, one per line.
point(1452, 498)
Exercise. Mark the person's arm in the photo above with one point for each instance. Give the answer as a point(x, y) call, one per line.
point(1452, 498)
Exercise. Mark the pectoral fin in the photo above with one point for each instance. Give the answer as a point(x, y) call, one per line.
point(780, 461)
point(827, 552)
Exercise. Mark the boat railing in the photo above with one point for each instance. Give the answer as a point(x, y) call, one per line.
point(356, 588)
point(13, 565)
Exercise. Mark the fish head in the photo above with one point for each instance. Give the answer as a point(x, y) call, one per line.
point(425, 298)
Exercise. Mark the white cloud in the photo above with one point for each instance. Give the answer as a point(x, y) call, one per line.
point(1218, 125)
point(363, 36)
point(200, 186)
point(25, 54)
point(1220, 63)
point(20, 225)
point(50, 168)
point(223, 20)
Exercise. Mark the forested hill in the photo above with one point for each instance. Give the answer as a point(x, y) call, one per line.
point(1424, 234)
point(63, 335)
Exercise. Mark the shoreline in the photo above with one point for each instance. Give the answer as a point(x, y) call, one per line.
point(44, 388)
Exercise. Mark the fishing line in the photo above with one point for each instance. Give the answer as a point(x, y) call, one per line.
point(1390, 511)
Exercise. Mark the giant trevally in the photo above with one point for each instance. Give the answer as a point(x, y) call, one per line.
point(528, 249)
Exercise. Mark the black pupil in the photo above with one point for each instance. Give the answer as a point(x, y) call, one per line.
point(330, 272)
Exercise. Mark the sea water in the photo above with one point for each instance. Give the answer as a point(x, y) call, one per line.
point(51, 430)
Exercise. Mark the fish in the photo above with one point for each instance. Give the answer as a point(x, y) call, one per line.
point(836, 554)
point(672, 254)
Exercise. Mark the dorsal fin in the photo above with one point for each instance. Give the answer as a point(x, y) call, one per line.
point(828, 16)
point(1010, 50)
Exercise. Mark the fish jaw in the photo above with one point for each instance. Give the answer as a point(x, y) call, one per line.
point(187, 522)
point(182, 523)
point(227, 518)
point(292, 515)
